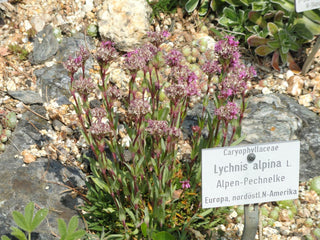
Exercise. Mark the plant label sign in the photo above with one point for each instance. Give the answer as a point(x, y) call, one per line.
point(248, 174)
point(305, 5)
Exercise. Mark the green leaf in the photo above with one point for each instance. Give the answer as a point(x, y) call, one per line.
point(285, 5)
point(239, 140)
point(272, 28)
point(73, 224)
point(258, 6)
point(302, 31)
point(76, 235)
point(255, 41)
point(18, 233)
point(313, 27)
point(163, 236)
point(38, 218)
point(224, 22)
point(191, 5)
point(5, 238)
point(28, 215)
point(263, 50)
point(62, 227)
point(278, 16)
point(101, 184)
point(275, 44)
point(131, 215)
point(20, 220)
point(144, 229)
point(216, 32)
point(256, 18)
point(313, 15)
point(284, 57)
point(205, 213)
point(204, 8)
point(231, 14)
point(213, 5)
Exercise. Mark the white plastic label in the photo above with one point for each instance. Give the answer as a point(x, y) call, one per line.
point(305, 5)
point(248, 174)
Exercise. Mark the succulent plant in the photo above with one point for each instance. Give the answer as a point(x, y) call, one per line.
point(315, 184)
point(92, 30)
point(274, 214)
point(7, 124)
point(10, 121)
point(288, 204)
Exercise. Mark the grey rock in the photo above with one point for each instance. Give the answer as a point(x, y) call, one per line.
point(43, 182)
point(63, 100)
point(273, 118)
point(54, 81)
point(27, 97)
point(267, 119)
point(124, 22)
point(45, 46)
point(69, 46)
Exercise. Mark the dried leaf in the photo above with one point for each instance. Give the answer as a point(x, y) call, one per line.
point(275, 60)
point(292, 64)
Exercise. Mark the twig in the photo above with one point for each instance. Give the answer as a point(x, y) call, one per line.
point(222, 29)
point(14, 145)
point(78, 192)
point(17, 69)
point(33, 125)
point(29, 109)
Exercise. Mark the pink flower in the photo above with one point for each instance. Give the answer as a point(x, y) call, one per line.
point(228, 51)
point(135, 60)
point(157, 38)
point(174, 57)
point(100, 129)
point(106, 53)
point(211, 67)
point(227, 112)
point(185, 184)
point(84, 86)
point(138, 108)
point(72, 64)
point(157, 128)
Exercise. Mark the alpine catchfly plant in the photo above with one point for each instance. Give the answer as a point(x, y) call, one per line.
point(150, 187)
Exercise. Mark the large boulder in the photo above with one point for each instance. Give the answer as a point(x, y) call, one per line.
point(124, 22)
point(46, 182)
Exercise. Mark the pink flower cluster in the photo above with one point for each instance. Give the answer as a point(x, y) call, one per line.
point(158, 37)
point(228, 50)
point(227, 112)
point(106, 53)
point(100, 129)
point(181, 74)
point(211, 67)
point(138, 108)
point(73, 64)
point(160, 128)
point(84, 86)
point(113, 92)
point(173, 58)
